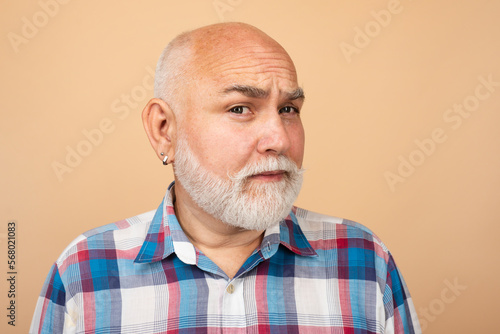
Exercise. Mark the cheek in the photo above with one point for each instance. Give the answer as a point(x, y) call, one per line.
point(297, 143)
point(221, 150)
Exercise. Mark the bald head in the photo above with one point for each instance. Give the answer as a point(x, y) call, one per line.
point(205, 52)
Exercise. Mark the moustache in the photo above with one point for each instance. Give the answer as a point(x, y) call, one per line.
point(268, 164)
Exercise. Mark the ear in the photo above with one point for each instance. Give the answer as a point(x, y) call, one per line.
point(159, 122)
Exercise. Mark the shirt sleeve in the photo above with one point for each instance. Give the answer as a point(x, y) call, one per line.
point(401, 316)
point(51, 312)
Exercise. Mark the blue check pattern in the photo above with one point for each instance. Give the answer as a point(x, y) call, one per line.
point(311, 274)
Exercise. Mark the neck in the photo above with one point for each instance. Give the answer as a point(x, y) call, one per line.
point(227, 246)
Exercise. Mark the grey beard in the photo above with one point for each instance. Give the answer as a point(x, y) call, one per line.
point(235, 201)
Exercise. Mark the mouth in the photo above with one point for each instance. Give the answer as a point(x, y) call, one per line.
point(275, 175)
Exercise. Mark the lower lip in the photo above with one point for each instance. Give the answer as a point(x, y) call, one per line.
point(268, 177)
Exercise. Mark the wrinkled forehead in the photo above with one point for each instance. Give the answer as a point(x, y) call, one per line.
point(250, 55)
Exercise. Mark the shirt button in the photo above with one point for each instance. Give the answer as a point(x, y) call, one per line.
point(230, 289)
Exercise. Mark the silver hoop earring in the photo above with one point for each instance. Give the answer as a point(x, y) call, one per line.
point(165, 160)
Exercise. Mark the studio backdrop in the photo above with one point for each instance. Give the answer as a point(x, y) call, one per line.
point(401, 115)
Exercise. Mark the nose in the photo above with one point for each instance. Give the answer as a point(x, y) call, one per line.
point(274, 136)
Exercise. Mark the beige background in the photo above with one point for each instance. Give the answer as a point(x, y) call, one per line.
point(86, 64)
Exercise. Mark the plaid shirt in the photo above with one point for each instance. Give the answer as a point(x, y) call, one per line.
point(311, 274)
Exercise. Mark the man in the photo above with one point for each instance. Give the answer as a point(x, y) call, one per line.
point(226, 251)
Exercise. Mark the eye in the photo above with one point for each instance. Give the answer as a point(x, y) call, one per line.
point(239, 110)
point(288, 110)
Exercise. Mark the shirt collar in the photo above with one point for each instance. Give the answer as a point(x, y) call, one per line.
point(165, 236)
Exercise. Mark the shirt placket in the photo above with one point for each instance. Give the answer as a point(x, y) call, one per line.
point(233, 307)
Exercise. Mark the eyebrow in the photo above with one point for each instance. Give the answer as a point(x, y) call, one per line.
point(255, 92)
